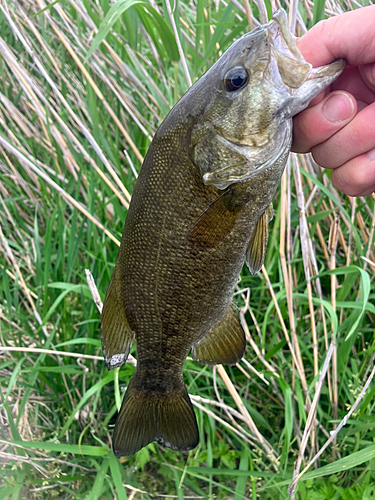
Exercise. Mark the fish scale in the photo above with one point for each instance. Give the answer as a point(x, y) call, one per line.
point(200, 208)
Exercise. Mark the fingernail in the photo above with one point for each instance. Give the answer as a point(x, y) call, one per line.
point(371, 154)
point(338, 107)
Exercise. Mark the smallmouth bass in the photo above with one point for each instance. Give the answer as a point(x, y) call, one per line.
point(200, 209)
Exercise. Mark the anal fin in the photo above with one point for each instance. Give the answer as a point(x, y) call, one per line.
point(117, 336)
point(224, 344)
point(257, 248)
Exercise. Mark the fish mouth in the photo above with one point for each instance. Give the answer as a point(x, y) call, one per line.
point(292, 67)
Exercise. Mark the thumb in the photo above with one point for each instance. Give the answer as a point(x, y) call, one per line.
point(318, 123)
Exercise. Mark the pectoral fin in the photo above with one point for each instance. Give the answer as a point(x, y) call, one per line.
point(257, 248)
point(215, 223)
point(224, 344)
point(117, 336)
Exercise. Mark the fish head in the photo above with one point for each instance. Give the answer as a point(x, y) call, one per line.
point(247, 100)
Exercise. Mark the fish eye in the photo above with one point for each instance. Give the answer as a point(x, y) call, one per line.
point(236, 78)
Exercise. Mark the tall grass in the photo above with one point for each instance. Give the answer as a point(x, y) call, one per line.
point(74, 127)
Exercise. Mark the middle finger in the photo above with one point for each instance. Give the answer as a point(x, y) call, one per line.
point(357, 137)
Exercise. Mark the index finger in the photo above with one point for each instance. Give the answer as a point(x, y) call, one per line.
point(350, 35)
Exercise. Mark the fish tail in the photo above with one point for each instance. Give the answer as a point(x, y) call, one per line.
point(144, 417)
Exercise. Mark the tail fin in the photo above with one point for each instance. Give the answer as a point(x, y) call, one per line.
point(145, 417)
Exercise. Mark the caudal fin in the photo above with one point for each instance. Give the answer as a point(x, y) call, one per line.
point(144, 417)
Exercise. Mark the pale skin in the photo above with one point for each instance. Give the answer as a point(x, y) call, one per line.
point(339, 125)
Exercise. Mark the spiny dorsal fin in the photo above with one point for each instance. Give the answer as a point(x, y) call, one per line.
point(214, 224)
point(117, 336)
point(224, 344)
point(257, 248)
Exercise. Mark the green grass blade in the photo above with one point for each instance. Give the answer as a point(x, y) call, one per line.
point(115, 468)
point(242, 480)
point(339, 466)
point(147, 14)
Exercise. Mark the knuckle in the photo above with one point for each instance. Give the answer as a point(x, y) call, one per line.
point(324, 156)
point(356, 136)
point(321, 26)
point(339, 181)
point(352, 178)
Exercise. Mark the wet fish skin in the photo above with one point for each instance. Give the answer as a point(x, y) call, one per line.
point(200, 208)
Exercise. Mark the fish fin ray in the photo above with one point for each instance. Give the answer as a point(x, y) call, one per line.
point(145, 417)
point(256, 251)
point(213, 225)
point(224, 344)
point(116, 334)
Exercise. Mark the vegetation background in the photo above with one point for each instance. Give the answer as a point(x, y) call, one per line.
point(73, 132)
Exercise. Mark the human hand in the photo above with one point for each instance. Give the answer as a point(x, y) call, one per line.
point(339, 125)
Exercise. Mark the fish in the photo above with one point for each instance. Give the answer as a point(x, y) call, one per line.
point(200, 209)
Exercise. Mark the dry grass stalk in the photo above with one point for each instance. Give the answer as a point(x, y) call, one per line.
point(246, 437)
point(262, 11)
point(38, 350)
point(305, 245)
point(333, 435)
point(32, 90)
point(247, 7)
point(249, 338)
point(243, 410)
point(292, 15)
point(285, 237)
point(332, 246)
point(278, 312)
point(310, 423)
point(61, 191)
point(177, 38)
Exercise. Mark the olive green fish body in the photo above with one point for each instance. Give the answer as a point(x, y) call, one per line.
point(199, 209)
point(183, 290)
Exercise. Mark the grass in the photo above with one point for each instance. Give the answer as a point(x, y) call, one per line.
point(73, 131)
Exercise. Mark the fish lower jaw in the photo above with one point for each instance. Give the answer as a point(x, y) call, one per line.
point(331, 70)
